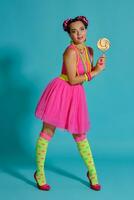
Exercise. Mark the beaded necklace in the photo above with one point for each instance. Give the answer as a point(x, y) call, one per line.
point(86, 62)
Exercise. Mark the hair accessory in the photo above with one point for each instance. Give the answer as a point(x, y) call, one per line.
point(83, 19)
point(69, 20)
point(65, 23)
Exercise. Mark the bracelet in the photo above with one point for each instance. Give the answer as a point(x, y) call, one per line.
point(86, 77)
point(89, 76)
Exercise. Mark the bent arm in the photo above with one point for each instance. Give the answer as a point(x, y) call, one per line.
point(70, 60)
point(94, 70)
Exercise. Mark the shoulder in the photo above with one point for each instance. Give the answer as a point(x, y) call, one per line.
point(69, 51)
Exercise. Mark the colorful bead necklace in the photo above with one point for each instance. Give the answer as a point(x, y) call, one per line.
point(86, 62)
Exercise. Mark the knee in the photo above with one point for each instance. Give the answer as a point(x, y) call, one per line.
point(79, 137)
point(44, 134)
point(50, 129)
point(47, 131)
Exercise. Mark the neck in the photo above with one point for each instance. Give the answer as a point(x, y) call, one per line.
point(79, 46)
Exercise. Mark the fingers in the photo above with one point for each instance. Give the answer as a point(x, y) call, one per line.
point(102, 59)
point(101, 62)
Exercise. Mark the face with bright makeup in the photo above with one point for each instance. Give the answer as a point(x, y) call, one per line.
point(77, 32)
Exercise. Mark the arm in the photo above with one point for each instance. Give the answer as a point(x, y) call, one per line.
point(70, 59)
point(95, 70)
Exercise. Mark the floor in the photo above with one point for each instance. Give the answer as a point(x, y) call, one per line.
point(67, 177)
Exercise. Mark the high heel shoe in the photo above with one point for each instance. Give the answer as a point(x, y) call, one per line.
point(42, 187)
point(95, 186)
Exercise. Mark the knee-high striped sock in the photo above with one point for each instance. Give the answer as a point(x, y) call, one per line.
point(86, 154)
point(41, 150)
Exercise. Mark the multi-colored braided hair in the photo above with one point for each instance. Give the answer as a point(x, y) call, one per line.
point(68, 21)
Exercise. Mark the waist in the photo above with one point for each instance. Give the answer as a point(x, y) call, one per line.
point(64, 77)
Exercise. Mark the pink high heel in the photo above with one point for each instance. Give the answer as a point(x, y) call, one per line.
point(42, 187)
point(95, 186)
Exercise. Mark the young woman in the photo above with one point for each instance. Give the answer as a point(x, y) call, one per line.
point(63, 102)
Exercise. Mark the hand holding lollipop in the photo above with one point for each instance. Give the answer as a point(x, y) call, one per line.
point(103, 45)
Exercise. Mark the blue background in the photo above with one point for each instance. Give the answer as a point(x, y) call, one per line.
point(31, 45)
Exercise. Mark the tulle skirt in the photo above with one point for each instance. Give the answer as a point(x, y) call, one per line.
point(64, 106)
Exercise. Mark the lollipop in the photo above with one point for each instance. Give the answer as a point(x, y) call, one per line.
point(103, 44)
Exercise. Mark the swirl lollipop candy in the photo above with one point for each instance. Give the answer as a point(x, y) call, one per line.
point(103, 44)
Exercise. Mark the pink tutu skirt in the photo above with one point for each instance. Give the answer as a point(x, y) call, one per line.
point(64, 106)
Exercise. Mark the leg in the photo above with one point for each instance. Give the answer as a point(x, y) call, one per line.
point(46, 134)
point(50, 129)
point(85, 152)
